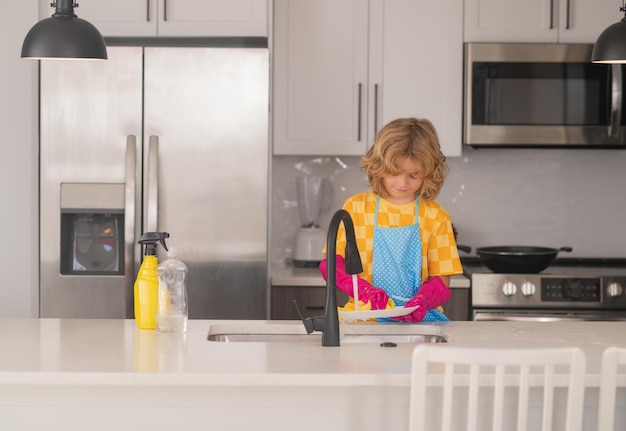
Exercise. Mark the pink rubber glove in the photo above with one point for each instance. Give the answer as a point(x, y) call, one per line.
point(431, 294)
point(375, 295)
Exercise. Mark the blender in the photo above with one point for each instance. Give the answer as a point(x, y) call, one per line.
point(314, 197)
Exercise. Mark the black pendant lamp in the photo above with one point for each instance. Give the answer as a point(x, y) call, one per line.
point(64, 36)
point(611, 44)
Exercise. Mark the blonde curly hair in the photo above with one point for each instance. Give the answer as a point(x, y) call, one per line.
point(415, 138)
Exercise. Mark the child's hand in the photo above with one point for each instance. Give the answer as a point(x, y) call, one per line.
point(431, 294)
point(434, 292)
point(375, 295)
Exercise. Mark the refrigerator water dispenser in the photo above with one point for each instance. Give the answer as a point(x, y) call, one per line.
point(92, 229)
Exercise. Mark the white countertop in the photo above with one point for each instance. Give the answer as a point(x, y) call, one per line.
point(76, 374)
point(115, 352)
point(287, 275)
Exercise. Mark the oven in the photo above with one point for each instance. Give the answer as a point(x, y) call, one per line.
point(569, 290)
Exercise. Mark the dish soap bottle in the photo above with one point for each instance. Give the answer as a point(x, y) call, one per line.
point(147, 282)
point(172, 303)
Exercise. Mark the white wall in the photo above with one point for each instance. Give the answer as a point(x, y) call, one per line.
point(18, 166)
point(538, 197)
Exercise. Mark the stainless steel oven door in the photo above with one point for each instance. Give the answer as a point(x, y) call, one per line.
point(518, 315)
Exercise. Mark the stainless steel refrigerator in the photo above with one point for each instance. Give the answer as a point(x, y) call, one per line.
point(155, 139)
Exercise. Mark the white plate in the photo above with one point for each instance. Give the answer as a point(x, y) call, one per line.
point(350, 316)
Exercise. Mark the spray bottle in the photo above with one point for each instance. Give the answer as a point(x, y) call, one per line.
point(147, 282)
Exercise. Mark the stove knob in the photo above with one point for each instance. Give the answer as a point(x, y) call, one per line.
point(509, 288)
point(614, 289)
point(528, 288)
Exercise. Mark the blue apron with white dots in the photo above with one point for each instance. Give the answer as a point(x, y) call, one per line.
point(397, 263)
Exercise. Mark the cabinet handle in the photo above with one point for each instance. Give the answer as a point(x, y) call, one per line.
point(567, 15)
point(148, 10)
point(375, 110)
point(164, 10)
point(551, 14)
point(616, 100)
point(359, 116)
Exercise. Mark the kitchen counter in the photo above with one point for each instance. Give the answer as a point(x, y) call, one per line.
point(120, 376)
point(288, 275)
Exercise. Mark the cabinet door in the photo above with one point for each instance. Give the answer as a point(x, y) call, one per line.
point(416, 65)
point(212, 18)
point(115, 17)
point(149, 18)
point(511, 20)
point(320, 77)
point(563, 21)
point(582, 21)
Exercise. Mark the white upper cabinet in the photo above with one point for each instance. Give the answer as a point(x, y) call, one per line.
point(552, 21)
point(344, 68)
point(187, 18)
point(320, 77)
point(416, 62)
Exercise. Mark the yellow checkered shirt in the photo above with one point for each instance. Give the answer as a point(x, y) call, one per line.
point(439, 252)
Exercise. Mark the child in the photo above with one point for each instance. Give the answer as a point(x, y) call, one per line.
point(399, 250)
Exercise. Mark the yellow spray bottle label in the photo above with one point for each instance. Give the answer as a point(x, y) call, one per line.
point(146, 293)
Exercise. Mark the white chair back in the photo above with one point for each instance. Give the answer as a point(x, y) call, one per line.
point(495, 388)
point(611, 359)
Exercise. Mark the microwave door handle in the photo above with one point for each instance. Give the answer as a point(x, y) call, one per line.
point(616, 101)
point(152, 202)
point(130, 193)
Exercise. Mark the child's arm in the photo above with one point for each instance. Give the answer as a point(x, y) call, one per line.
point(376, 296)
point(445, 279)
point(432, 293)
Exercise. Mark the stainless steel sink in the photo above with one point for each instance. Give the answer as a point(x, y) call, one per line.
point(270, 332)
point(316, 338)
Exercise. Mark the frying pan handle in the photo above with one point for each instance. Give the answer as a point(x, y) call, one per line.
point(467, 249)
point(567, 249)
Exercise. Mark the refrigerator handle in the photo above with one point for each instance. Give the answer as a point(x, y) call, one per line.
point(152, 202)
point(616, 101)
point(130, 191)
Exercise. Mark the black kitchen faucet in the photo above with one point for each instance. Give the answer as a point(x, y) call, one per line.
point(328, 324)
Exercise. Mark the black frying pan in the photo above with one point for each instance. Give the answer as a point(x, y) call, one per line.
point(518, 259)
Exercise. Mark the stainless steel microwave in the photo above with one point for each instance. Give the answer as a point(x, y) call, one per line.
point(541, 95)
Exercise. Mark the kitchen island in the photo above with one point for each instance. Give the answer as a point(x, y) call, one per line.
point(78, 374)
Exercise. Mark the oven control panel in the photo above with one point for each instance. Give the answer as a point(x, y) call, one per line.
point(571, 289)
point(548, 291)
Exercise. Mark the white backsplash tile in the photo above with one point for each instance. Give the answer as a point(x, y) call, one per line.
point(539, 197)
